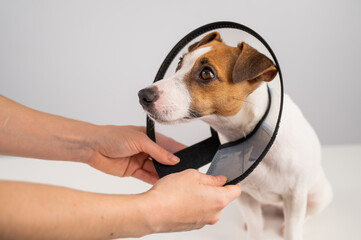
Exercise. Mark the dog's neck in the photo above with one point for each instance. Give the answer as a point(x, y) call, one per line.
point(242, 123)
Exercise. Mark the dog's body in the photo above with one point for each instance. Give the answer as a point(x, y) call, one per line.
point(290, 176)
point(225, 87)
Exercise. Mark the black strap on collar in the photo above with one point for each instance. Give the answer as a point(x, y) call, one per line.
point(206, 149)
point(195, 156)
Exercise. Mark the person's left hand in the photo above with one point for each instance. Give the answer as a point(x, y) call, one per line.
point(124, 151)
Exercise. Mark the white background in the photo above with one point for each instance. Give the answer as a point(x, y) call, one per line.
point(88, 59)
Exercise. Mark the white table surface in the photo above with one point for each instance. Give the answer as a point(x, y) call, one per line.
point(341, 220)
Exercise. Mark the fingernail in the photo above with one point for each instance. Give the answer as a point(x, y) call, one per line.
point(222, 178)
point(173, 158)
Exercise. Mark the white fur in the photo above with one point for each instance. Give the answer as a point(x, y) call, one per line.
point(174, 98)
point(290, 175)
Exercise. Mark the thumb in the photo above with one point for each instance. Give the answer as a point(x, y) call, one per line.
point(232, 191)
point(212, 180)
point(157, 152)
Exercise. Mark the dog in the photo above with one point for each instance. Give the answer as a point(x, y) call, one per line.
point(226, 87)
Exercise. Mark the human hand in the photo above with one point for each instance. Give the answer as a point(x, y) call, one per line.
point(124, 151)
point(187, 200)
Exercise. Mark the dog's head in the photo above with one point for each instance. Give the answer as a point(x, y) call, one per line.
point(212, 78)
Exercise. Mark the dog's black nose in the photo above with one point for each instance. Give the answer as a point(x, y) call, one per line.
point(147, 96)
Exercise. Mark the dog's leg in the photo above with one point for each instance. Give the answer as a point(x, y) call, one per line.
point(319, 196)
point(295, 205)
point(252, 213)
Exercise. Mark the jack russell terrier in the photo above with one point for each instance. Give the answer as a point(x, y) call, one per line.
point(226, 87)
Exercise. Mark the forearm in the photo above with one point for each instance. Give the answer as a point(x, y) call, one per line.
point(33, 211)
point(30, 133)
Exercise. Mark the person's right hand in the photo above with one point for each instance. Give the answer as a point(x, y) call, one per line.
point(188, 200)
point(124, 151)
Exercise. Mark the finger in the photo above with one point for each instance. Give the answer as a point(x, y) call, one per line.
point(149, 166)
point(212, 180)
point(157, 152)
point(166, 142)
point(232, 191)
point(169, 143)
point(107, 165)
point(135, 162)
point(145, 176)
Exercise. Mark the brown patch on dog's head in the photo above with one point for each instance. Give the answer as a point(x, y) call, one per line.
point(214, 36)
point(221, 79)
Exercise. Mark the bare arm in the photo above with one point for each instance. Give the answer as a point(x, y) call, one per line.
point(117, 150)
point(183, 201)
point(33, 211)
point(30, 133)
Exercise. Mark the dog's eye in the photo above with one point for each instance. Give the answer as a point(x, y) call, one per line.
point(207, 74)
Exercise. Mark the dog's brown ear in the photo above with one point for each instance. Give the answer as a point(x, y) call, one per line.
point(253, 65)
point(213, 36)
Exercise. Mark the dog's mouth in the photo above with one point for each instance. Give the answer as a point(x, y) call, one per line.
point(165, 117)
point(164, 121)
point(193, 114)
